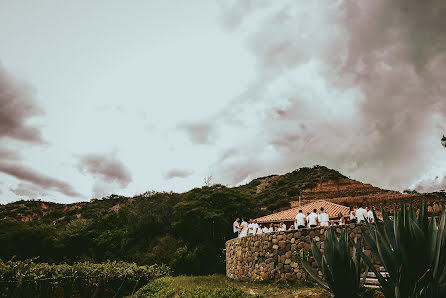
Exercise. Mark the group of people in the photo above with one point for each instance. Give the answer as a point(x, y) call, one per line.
point(242, 229)
point(301, 221)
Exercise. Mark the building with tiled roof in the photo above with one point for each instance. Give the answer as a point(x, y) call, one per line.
point(333, 210)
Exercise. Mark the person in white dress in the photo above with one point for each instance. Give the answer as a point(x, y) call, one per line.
point(236, 227)
point(370, 216)
point(243, 228)
point(323, 218)
point(312, 219)
point(300, 220)
point(361, 214)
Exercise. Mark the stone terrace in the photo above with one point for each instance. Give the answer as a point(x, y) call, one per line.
point(269, 256)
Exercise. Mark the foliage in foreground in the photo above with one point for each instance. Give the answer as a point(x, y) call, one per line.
point(218, 285)
point(341, 273)
point(32, 279)
point(412, 249)
point(165, 287)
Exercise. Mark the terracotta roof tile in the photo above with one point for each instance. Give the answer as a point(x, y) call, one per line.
point(332, 210)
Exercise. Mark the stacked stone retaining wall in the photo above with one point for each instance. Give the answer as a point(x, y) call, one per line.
point(269, 256)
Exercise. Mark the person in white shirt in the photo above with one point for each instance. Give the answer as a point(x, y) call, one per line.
point(361, 214)
point(251, 230)
point(370, 217)
point(352, 216)
point(271, 228)
point(243, 228)
point(236, 227)
point(291, 228)
point(312, 219)
point(259, 230)
point(341, 219)
point(265, 229)
point(323, 218)
point(283, 226)
point(300, 221)
point(256, 226)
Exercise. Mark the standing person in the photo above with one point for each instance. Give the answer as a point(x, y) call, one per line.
point(271, 228)
point(323, 218)
point(243, 228)
point(361, 214)
point(301, 220)
point(259, 230)
point(256, 226)
point(352, 216)
point(370, 216)
point(283, 226)
point(251, 228)
point(312, 219)
point(265, 229)
point(236, 227)
point(341, 219)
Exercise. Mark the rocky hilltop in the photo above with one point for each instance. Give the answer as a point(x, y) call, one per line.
point(272, 193)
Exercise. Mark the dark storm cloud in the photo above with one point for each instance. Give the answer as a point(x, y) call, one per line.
point(177, 173)
point(17, 105)
point(38, 179)
point(199, 132)
point(105, 167)
point(28, 190)
point(357, 86)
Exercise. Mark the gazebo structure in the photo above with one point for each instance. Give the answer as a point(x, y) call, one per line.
point(287, 216)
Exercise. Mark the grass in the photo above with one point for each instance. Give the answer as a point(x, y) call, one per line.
point(219, 286)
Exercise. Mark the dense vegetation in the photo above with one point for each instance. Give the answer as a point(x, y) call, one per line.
point(29, 279)
point(187, 231)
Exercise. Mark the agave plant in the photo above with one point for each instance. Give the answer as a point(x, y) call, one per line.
point(341, 271)
point(412, 249)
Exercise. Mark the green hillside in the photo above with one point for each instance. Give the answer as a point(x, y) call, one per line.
point(187, 231)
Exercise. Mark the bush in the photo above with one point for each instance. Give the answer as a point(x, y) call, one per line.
point(85, 278)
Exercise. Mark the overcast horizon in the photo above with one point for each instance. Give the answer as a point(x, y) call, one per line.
point(100, 97)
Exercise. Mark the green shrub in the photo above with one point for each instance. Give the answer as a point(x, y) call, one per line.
point(167, 287)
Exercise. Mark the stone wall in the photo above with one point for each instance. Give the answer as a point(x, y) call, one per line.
point(269, 256)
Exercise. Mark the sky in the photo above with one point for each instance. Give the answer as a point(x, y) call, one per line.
point(121, 97)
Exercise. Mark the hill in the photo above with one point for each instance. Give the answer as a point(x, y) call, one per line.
point(186, 230)
point(271, 193)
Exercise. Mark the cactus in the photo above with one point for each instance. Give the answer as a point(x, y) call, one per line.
point(341, 271)
point(412, 249)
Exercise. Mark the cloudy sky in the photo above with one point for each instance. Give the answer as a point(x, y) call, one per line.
point(101, 97)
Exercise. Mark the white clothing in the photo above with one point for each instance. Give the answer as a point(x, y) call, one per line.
point(312, 219)
point(370, 216)
point(323, 219)
point(284, 227)
point(259, 231)
point(271, 229)
point(300, 219)
point(235, 226)
point(361, 214)
point(352, 217)
point(244, 229)
point(251, 229)
point(265, 230)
